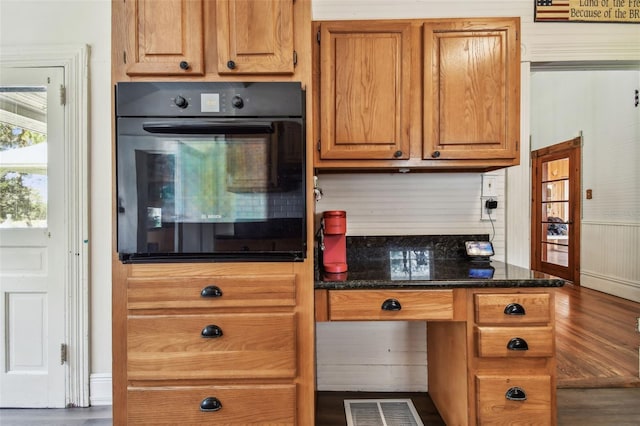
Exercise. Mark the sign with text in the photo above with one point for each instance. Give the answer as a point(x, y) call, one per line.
point(625, 11)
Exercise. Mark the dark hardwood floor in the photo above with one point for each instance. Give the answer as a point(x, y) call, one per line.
point(597, 339)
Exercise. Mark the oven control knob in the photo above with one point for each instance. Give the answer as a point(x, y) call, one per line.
point(237, 102)
point(180, 102)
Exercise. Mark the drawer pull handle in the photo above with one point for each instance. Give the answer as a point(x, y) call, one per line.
point(211, 332)
point(516, 394)
point(211, 291)
point(391, 305)
point(514, 309)
point(210, 404)
point(517, 344)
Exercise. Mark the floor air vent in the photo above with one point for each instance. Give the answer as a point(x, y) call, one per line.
point(381, 412)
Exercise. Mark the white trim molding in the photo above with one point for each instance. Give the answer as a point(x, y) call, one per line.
point(75, 61)
point(100, 385)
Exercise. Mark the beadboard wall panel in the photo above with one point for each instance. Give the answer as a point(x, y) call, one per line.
point(610, 258)
point(372, 356)
point(414, 204)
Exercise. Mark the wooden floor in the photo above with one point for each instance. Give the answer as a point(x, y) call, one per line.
point(597, 339)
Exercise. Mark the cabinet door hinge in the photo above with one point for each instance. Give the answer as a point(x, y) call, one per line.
point(63, 353)
point(295, 58)
point(318, 36)
point(318, 146)
point(63, 95)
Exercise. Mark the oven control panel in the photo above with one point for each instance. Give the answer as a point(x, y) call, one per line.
point(215, 99)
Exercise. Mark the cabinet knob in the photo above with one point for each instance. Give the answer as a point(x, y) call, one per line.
point(516, 394)
point(211, 332)
point(184, 65)
point(514, 309)
point(435, 154)
point(397, 154)
point(391, 305)
point(517, 344)
point(210, 404)
point(231, 65)
point(211, 291)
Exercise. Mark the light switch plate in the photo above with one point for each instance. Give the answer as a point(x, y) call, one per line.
point(489, 186)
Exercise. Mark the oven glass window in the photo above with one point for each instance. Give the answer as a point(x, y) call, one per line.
point(220, 194)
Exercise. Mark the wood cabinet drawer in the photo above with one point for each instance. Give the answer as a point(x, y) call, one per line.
point(240, 346)
point(385, 305)
point(208, 292)
point(239, 405)
point(516, 308)
point(515, 341)
point(524, 400)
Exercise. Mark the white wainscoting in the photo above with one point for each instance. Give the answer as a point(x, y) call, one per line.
point(610, 258)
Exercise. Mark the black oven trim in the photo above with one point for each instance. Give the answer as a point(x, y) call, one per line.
point(173, 121)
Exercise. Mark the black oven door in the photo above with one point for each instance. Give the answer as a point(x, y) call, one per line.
point(193, 189)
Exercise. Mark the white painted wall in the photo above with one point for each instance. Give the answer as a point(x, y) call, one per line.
point(76, 22)
point(600, 104)
point(45, 22)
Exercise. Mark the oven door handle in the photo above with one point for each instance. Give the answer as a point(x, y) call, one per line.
point(203, 127)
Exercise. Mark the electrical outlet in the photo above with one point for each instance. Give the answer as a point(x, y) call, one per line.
point(484, 211)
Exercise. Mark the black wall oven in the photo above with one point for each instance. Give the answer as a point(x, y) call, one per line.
point(210, 171)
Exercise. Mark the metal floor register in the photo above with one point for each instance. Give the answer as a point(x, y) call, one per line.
point(381, 412)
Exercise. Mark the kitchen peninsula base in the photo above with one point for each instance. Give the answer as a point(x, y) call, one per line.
point(490, 325)
point(479, 371)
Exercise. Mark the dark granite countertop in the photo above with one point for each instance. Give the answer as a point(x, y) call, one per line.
point(425, 262)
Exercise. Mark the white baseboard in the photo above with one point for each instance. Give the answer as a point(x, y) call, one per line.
point(611, 285)
point(100, 389)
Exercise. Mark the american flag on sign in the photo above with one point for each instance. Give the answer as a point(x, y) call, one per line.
point(552, 10)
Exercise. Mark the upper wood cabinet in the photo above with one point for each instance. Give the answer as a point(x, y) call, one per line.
point(365, 90)
point(255, 36)
point(164, 39)
point(418, 94)
point(471, 89)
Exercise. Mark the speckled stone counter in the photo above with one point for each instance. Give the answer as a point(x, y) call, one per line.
point(434, 261)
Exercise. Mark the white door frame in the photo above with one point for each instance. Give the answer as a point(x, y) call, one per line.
point(75, 61)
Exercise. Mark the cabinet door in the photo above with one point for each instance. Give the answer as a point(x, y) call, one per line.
point(471, 89)
point(166, 38)
point(365, 90)
point(255, 36)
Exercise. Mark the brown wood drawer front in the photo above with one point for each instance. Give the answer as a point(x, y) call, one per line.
point(355, 305)
point(515, 341)
point(240, 405)
point(494, 408)
point(243, 291)
point(490, 308)
point(172, 346)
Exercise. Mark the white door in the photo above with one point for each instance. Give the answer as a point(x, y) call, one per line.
point(33, 238)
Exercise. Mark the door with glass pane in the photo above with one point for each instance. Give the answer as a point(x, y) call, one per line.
point(33, 239)
point(556, 210)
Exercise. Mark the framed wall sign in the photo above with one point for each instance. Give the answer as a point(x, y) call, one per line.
point(622, 11)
